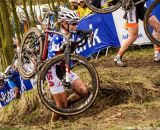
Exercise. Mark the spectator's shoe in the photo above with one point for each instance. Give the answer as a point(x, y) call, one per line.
point(118, 61)
point(157, 57)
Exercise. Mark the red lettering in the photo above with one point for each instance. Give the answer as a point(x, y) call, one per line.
point(51, 83)
point(49, 75)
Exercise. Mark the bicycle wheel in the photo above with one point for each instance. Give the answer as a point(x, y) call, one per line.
point(30, 53)
point(84, 70)
point(153, 10)
point(103, 6)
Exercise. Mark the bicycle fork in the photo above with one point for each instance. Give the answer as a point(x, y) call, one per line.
point(67, 65)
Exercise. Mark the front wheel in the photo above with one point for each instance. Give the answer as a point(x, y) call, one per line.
point(83, 70)
point(103, 6)
point(152, 11)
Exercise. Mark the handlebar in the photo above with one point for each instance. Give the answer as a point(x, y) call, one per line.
point(84, 36)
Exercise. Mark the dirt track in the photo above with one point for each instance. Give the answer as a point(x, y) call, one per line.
point(129, 97)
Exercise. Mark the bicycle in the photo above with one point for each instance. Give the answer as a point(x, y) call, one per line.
point(32, 44)
point(148, 29)
point(67, 62)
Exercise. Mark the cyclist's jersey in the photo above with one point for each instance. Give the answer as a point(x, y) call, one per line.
point(138, 12)
point(54, 45)
point(53, 78)
point(56, 42)
point(14, 80)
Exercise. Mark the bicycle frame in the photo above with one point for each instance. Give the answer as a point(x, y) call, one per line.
point(45, 45)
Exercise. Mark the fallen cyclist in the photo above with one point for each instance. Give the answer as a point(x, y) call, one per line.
point(13, 78)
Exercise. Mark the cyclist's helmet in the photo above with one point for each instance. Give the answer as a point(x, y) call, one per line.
point(67, 15)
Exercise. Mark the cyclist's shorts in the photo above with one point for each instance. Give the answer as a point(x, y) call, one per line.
point(138, 12)
point(54, 81)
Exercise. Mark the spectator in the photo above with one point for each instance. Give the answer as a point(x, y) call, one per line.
point(13, 81)
point(83, 9)
point(23, 22)
point(74, 5)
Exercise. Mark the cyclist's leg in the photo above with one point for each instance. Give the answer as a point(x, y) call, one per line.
point(156, 47)
point(78, 87)
point(61, 101)
point(57, 91)
point(155, 23)
point(132, 26)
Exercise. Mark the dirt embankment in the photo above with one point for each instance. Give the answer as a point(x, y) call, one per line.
point(129, 97)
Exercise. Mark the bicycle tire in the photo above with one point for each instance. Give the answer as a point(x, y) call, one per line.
point(146, 24)
point(103, 10)
point(95, 83)
point(20, 68)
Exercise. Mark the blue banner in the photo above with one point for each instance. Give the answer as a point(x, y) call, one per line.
point(7, 93)
point(105, 33)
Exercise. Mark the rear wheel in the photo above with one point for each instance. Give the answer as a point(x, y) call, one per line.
point(84, 70)
point(30, 53)
point(103, 6)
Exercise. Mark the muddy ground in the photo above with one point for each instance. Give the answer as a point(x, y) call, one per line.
point(129, 98)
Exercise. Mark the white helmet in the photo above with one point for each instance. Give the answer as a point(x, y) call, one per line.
point(68, 15)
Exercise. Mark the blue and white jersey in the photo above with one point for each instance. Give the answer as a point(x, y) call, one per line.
point(55, 43)
point(14, 80)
